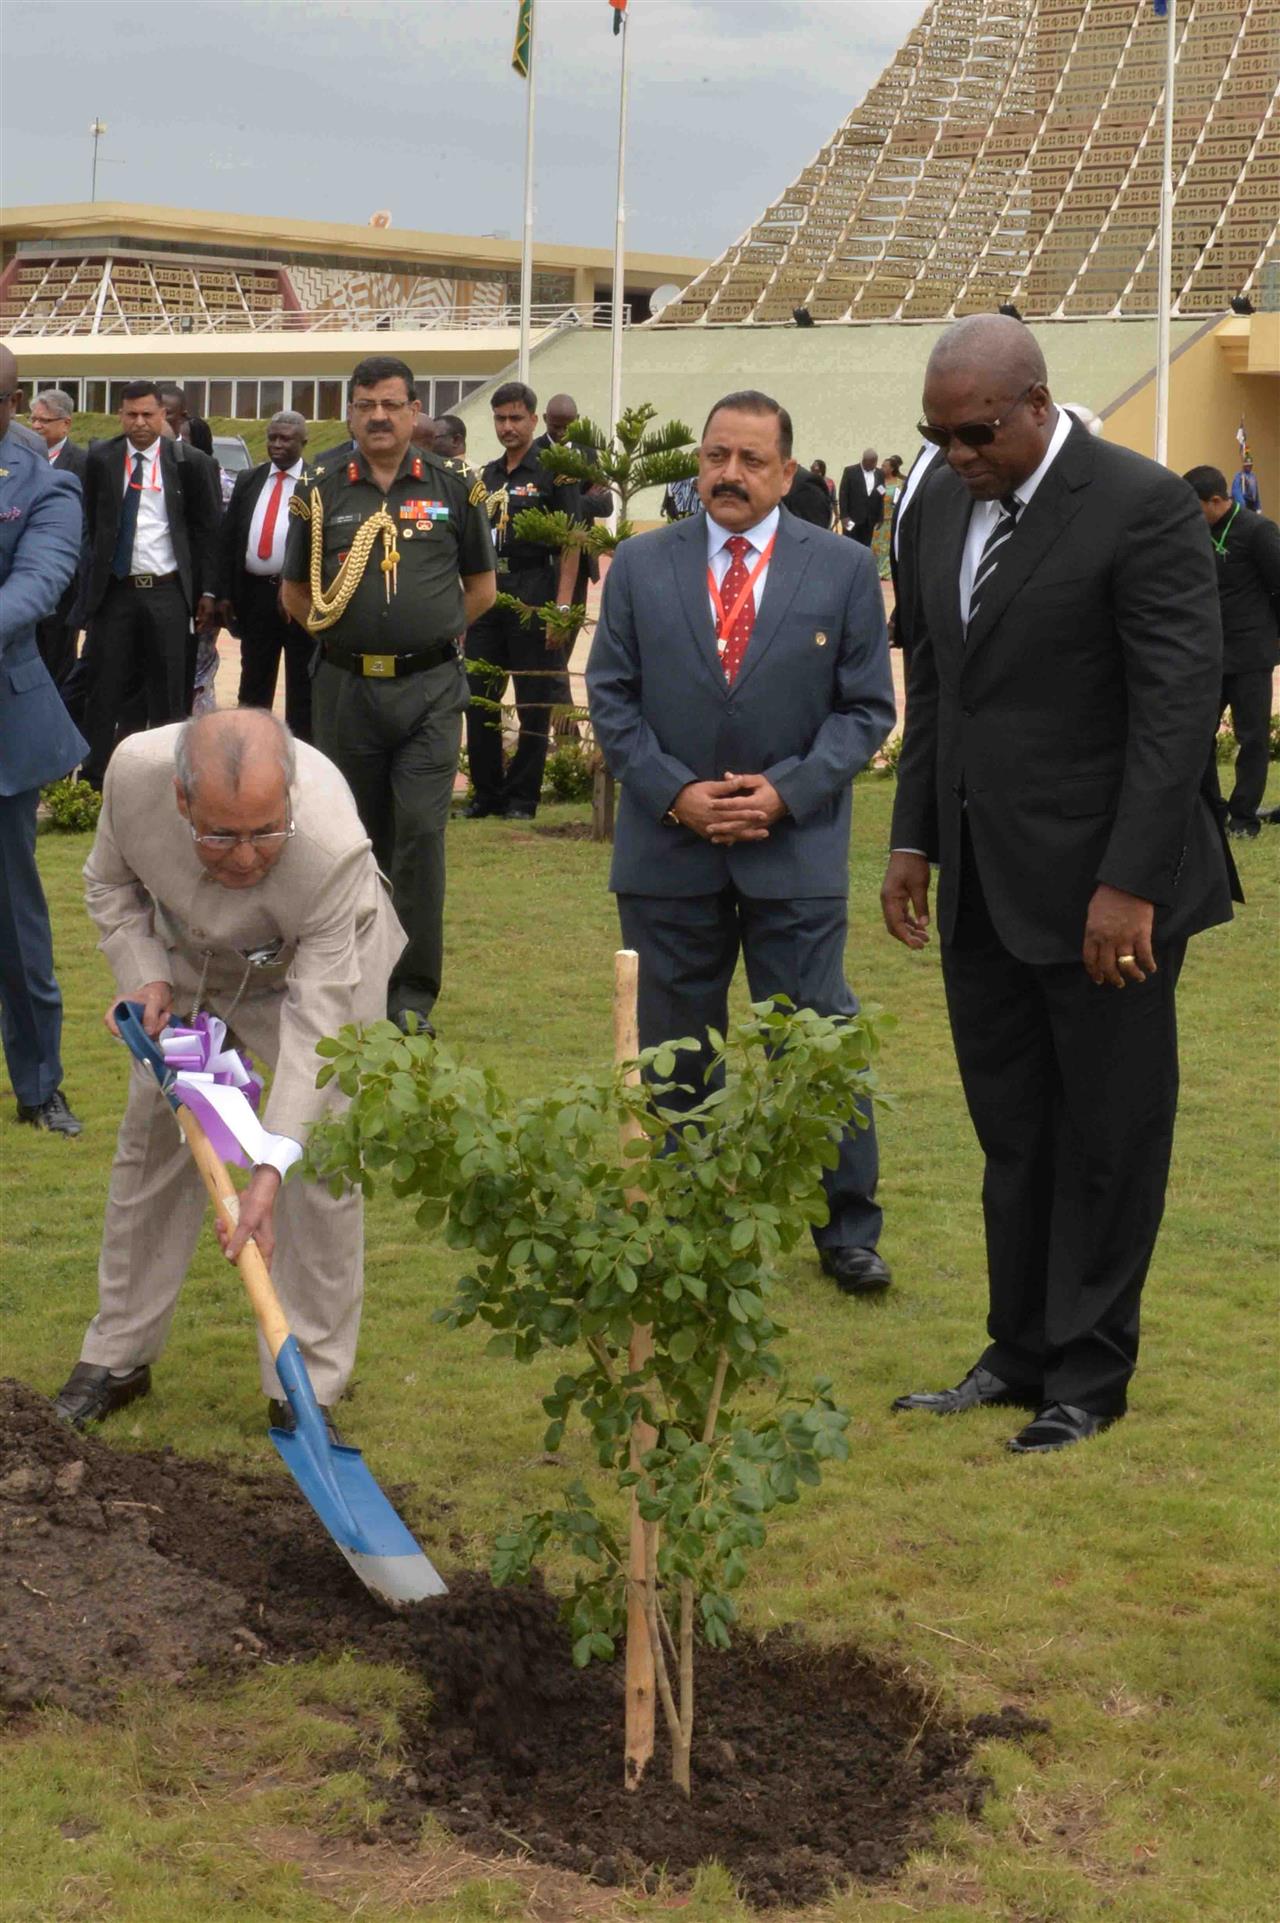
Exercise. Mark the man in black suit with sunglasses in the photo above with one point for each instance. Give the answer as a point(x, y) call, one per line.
point(1061, 706)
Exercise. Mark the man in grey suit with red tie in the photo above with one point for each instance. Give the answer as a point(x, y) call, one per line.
point(1062, 703)
point(738, 680)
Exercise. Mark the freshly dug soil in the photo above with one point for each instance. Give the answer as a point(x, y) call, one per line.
point(810, 1766)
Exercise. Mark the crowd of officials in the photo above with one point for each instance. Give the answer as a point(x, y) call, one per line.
point(1062, 605)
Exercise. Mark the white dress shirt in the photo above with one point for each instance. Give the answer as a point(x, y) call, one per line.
point(719, 559)
point(252, 564)
point(152, 543)
point(55, 451)
point(869, 476)
point(986, 513)
point(982, 519)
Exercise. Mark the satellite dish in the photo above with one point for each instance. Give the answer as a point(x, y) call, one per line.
point(663, 296)
point(381, 219)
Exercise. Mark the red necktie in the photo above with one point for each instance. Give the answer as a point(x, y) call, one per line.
point(267, 538)
point(735, 642)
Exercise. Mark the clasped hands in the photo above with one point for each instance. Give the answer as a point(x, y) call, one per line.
point(739, 808)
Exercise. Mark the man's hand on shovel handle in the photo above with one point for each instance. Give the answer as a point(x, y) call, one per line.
point(257, 1217)
point(157, 1007)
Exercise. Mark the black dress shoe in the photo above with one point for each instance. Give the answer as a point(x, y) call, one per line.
point(53, 1114)
point(479, 810)
point(856, 1271)
point(280, 1416)
point(1057, 1426)
point(412, 1021)
point(519, 814)
point(979, 1390)
point(91, 1392)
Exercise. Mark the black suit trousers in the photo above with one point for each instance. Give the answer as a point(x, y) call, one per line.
point(1073, 1091)
point(1248, 696)
point(142, 660)
point(265, 635)
point(689, 947)
point(501, 641)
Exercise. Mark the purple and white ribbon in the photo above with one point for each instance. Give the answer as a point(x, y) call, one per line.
point(221, 1087)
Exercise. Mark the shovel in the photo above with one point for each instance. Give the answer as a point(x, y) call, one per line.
point(334, 1478)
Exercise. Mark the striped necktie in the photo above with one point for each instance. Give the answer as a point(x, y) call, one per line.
point(989, 559)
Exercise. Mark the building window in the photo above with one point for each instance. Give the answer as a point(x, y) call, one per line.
point(329, 401)
point(196, 397)
point(115, 396)
point(95, 397)
point(220, 397)
point(302, 396)
point(270, 399)
point(246, 400)
point(446, 395)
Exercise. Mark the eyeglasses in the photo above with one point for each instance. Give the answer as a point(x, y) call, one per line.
point(971, 433)
point(268, 842)
point(387, 407)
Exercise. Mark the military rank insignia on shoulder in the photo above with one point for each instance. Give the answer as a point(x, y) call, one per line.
point(479, 493)
point(300, 504)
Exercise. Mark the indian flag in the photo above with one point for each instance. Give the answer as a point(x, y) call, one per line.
point(619, 8)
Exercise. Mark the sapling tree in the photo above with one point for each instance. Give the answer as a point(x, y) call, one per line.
point(575, 1247)
point(637, 456)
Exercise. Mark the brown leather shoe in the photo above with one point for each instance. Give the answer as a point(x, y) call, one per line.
point(91, 1392)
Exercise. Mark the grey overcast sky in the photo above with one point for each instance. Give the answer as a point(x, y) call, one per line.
point(331, 109)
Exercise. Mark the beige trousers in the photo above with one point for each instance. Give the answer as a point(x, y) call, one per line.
point(156, 1204)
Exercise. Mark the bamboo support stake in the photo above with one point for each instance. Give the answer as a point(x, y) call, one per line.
point(640, 1685)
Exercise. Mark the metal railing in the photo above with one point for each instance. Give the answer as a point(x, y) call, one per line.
point(326, 320)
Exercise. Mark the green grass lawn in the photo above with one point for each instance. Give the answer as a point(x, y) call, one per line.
point(1121, 1591)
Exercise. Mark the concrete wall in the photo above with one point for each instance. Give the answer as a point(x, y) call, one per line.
point(1222, 376)
point(846, 387)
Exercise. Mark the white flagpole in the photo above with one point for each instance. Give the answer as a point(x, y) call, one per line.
point(619, 234)
point(1165, 297)
point(526, 245)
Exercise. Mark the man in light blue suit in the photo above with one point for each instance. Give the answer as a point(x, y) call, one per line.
point(739, 679)
point(40, 528)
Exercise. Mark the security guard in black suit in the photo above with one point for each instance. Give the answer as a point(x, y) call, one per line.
point(501, 642)
point(388, 560)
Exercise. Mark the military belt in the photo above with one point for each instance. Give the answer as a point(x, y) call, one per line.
point(390, 667)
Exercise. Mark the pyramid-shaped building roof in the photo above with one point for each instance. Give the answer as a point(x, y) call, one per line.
point(1012, 152)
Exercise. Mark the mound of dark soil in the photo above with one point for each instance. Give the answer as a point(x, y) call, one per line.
point(809, 1766)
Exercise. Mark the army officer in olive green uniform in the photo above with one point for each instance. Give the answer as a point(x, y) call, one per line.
point(388, 562)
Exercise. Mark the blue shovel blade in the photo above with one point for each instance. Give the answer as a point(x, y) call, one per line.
point(337, 1483)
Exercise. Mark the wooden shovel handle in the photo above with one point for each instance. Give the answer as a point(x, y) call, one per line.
point(226, 1204)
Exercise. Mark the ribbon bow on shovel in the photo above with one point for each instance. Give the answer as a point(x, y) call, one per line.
point(212, 1090)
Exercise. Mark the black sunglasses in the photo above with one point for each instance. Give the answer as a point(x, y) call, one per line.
point(971, 433)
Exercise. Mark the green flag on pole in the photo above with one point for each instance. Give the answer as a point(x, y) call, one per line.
point(522, 51)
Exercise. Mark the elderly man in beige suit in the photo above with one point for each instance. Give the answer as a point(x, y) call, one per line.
point(230, 873)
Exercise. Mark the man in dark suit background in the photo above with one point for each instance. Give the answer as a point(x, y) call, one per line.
point(1062, 702)
point(902, 567)
point(57, 634)
point(738, 680)
point(153, 508)
point(252, 554)
point(1246, 548)
point(186, 427)
point(862, 499)
point(40, 529)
